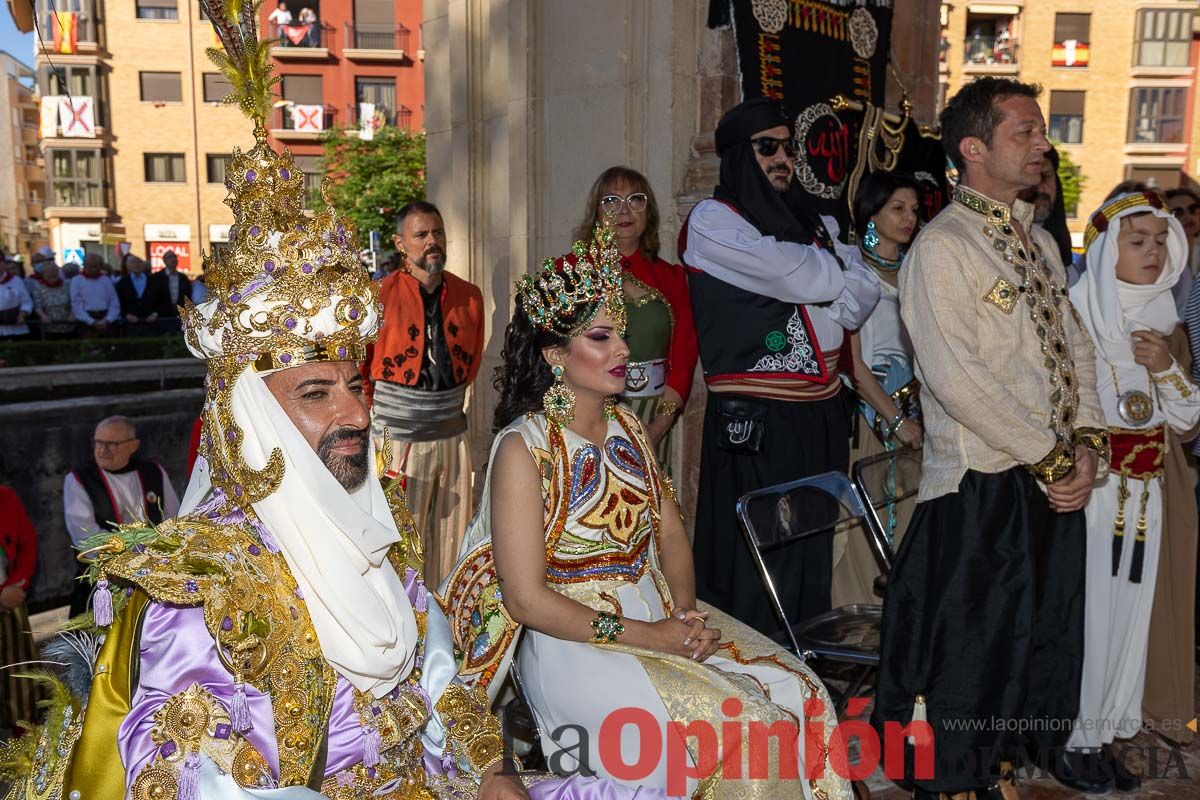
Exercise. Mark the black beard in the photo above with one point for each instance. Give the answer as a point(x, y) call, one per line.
point(349, 471)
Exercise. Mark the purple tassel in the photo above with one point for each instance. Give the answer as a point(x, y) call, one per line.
point(189, 778)
point(371, 745)
point(239, 709)
point(422, 597)
point(102, 608)
point(448, 764)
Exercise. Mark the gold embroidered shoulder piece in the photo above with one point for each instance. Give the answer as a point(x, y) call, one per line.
point(183, 563)
point(254, 612)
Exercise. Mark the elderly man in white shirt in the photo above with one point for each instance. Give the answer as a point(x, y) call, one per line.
point(15, 304)
point(94, 301)
point(118, 488)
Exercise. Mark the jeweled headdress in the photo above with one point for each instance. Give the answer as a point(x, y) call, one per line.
point(290, 289)
point(589, 276)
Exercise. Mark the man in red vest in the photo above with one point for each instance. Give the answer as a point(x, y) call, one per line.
point(418, 371)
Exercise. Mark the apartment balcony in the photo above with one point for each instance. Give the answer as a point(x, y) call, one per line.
point(34, 208)
point(35, 172)
point(299, 123)
point(990, 55)
point(301, 42)
point(86, 36)
point(29, 134)
point(375, 42)
point(383, 117)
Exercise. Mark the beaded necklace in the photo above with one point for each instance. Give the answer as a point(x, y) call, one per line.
point(881, 263)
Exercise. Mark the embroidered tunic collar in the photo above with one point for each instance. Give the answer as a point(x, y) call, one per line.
point(999, 213)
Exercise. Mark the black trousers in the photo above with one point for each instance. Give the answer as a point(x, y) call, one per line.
point(800, 439)
point(984, 617)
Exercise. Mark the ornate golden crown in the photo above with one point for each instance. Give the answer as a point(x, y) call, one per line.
point(290, 289)
point(589, 275)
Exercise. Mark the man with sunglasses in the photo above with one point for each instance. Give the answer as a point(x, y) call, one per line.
point(773, 294)
point(116, 488)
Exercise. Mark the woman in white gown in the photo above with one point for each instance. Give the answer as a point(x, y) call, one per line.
point(580, 541)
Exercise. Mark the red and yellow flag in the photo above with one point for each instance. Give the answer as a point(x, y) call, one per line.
point(66, 31)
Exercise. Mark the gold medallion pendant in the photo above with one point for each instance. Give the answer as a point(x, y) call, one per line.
point(1135, 408)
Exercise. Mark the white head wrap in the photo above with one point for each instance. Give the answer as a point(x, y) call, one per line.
point(1114, 308)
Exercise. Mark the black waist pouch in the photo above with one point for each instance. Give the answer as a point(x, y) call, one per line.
point(743, 425)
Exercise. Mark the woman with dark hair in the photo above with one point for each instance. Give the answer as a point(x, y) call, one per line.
point(662, 336)
point(886, 215)
point(581, 531)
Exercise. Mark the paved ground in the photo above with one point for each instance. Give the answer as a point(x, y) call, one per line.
point(1177, 772)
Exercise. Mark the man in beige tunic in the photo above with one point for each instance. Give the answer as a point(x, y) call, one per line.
point(983, 618)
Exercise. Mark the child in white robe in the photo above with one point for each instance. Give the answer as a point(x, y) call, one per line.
point(1136, 252)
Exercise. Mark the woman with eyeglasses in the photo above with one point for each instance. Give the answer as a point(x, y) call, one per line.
point(662, 337)
point(886, 217)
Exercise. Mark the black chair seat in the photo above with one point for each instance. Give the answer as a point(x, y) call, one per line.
point(849, 633)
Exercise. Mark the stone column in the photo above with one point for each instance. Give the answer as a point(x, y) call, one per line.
point(527, 101)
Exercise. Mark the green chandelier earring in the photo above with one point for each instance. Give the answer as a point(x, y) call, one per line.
point(559, 401)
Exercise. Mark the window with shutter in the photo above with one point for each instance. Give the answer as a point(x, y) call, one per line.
point(161, 87)
point(217, 166)
point(157, 9)
point(307, 90)
point(164, 168)
point(1072, 32)
point(216, 87)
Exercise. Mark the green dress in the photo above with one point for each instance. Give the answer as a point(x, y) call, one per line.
point(651, 323)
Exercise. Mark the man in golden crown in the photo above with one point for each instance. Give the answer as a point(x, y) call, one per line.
point(274, 640)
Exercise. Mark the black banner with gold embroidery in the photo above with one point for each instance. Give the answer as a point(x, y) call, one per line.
point(805, 53)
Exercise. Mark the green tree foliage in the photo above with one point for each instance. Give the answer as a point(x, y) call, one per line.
point(371, 180)
point(1072, 182)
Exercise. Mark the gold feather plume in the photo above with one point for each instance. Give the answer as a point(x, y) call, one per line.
point(244, 60)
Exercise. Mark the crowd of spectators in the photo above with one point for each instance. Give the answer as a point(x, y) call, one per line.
point(94, 299)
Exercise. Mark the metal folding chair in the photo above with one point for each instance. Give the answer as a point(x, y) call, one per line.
point(885, 482)
point(772, 518)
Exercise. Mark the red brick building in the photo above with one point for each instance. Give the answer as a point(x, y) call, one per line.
point(343, 63)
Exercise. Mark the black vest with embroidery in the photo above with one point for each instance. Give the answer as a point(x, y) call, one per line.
point(105, 512)
point(744, 335)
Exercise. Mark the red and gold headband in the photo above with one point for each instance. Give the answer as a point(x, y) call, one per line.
point(1108, 212)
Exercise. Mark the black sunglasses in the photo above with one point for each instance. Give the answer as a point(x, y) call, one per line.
point(768, 146)
point(1179, 212)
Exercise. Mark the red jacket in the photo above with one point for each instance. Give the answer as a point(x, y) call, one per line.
point(18, 539)
point(671, 282)
point(396, 355)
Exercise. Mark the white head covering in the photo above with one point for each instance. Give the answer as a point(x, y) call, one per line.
point(335, 542)
point(1114, 308)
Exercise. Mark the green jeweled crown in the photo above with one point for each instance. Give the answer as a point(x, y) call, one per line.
point(589, 276)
